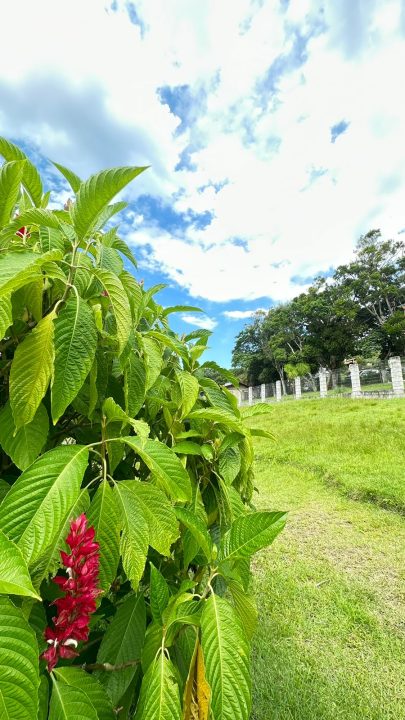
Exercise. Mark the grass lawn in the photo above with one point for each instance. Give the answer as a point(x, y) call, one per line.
point(331, 590)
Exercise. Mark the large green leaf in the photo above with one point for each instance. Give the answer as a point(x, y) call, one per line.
point(68, 702)
point(51, 239)
point(229, 464)
point(259, 408)
point(226, 654)
point(18, 269)
point(30, 178)
point(73, 179)
point(198, 529)
point(33, 510)
point(165, 466)
point(94, 194)
point(227, 374)
point(202, 335)
point(123, 248)
point(218, 397)
point(189, 390)
point(31, 296)
point(160, 697)
point(107, 213)
point(19, 677)
point(31, 371)
point(10, 179)
point(259, 432)
point(135, 535)
point(33, 216)
point(6, 315)
point(114, 413)
point(14, 575)
point(159, 593)
point(245, 608)
point(187, 447)
point(4, 488)
point(159, 514)
point(122, 643)
point(250, 533)
point(25, 444)
point(49, 561)
point(104, 516)
point(43, 698)
point(119, 304)
point(152, 353)
point(134, 384)
point(75, 349)
point(134, 293)
point(78, 678)
point(170, 342)
point(180, 308)
point(219, 416)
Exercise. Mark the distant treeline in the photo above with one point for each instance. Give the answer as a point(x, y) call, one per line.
point(357, 312)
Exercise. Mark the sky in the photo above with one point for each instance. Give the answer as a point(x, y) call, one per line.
point(274, 131)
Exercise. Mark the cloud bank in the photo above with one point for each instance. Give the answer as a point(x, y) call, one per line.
point(274, 130)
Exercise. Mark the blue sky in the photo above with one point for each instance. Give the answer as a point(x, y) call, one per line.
point(273, 130)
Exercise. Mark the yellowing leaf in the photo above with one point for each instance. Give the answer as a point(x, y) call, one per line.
point(197, 692)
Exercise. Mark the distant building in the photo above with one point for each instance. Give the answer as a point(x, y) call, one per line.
point(240, 392)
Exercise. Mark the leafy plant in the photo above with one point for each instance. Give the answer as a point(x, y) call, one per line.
point(107, 414)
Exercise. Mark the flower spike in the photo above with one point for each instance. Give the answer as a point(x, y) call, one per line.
point(71, 623)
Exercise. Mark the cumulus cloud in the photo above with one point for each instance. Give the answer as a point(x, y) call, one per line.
point(281, 122)
point(206, 323)
point(242, 314)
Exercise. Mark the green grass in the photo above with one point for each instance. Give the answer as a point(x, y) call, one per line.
point(359, 446)
point(331, 590)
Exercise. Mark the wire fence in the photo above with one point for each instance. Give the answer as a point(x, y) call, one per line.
point(382, 379)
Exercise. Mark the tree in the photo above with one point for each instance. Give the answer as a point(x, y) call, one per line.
point(358, 312)
point(249, 359)
point(375, 281)
point(127, 476)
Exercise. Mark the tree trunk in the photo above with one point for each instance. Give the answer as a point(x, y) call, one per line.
point(280, 370)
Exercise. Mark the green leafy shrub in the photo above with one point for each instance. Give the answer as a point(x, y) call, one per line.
point(107, 412)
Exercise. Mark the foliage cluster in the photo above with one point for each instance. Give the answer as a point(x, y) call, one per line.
point(358, 312)
point(105, 411)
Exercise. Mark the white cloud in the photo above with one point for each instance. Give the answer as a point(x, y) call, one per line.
point(287, 203)
point(206, 323)
point(242, 314)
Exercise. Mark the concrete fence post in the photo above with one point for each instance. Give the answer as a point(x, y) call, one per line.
point(397, 378)
point(323, 384)
point(278, 390)
point(250, 395)
point(355, 379)
point(297, 388)
point(262, 392)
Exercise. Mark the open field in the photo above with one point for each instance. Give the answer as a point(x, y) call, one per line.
point(331, 590)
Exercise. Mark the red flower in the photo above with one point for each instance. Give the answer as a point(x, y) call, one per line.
point(71, 624)
point(22, 232)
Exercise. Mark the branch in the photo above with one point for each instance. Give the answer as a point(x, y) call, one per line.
point(107, 667)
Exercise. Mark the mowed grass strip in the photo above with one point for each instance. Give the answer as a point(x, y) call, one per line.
point(331, 589)
point(357, 445)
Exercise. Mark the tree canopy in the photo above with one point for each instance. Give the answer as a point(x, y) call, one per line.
point(356, 312)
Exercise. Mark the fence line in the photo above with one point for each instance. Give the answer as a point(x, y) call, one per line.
point(353, 380)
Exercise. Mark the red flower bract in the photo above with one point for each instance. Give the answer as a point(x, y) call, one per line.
point(71, 624)
point(22, 232)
